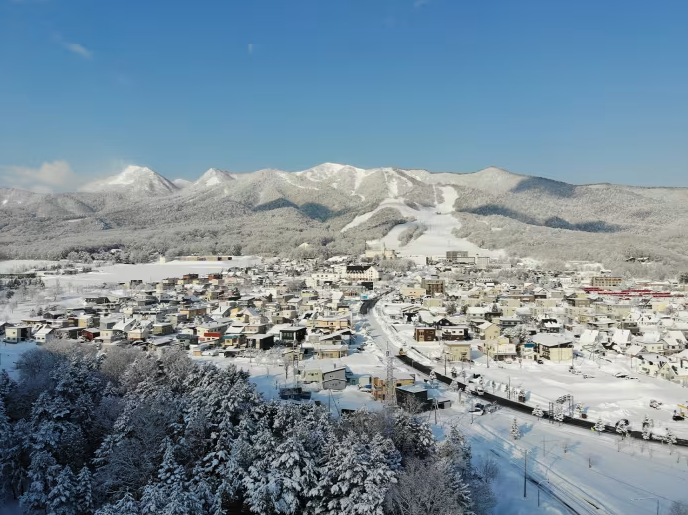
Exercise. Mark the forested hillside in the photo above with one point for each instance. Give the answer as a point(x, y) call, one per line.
point(129, 433)
point(271, 212)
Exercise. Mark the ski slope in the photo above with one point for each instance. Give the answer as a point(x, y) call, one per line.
point(439, 222)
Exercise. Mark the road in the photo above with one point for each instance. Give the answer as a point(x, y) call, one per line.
point(606, 488)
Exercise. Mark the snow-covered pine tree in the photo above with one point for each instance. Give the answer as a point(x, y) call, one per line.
point(42, 475)
point(62, 497)
point(559, 413)
point(169, 495)
point(579, 409)
point(537, 412)
point(669, 437)
point(599, 426)
point(515, 430)
point(279, 482)
point(356, 477)
point(84, 493)
point(127, 505)
point(622, 429)
point(10, 453)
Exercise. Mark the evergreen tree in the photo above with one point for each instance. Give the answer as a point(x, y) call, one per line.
point(127, 505)
point(355, 479)
point(537, 412)
point(83, 492)
point(280, 481)
point(515, 430)
point(42, 475)
point(559, 413)
point(669, 437)
point(10, 454)
point(599, 426)
point(62, 497)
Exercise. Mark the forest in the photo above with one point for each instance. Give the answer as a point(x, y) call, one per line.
point(132, 433)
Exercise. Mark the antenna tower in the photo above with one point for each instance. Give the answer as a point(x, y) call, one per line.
point(389, 383)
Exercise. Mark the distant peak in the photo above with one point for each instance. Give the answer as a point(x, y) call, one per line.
point(494, 169)
point(213, 177)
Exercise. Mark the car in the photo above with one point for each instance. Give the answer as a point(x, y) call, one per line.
point(621, 375)
point(211, 352)
point(540, 362)
point(476, 411)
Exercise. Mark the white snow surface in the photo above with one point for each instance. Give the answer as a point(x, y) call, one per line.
point(438, 220)
point(137, 180)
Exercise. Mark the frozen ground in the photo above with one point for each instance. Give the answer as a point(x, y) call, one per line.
point(145, 272)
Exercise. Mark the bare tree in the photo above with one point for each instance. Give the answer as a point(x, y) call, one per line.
point(424, 488)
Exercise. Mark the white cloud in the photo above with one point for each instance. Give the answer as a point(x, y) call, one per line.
point(49, 177)
point(78, 49)
point(420, 3)
point(250, 48)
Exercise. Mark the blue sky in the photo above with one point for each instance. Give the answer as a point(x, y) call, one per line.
point(579, 90)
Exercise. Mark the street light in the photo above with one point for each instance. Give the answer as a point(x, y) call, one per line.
point(646, 499)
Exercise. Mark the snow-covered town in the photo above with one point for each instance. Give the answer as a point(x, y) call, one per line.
point(570, 383)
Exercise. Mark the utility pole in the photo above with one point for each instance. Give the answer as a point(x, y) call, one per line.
point(525, 471)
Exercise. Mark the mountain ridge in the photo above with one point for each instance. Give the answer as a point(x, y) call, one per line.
point(494, 209)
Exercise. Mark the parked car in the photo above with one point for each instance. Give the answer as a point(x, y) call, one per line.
point(540, 361)
point(476, 410)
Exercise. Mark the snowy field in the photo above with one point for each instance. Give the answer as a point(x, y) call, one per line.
point(152, 271)
point(10, 353)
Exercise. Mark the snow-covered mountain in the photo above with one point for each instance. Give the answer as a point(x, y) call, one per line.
point(181, 183)
point(134, 180)
point(273, 211)
point(213, 178)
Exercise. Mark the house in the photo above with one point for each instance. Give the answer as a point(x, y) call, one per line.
point(621, 338)
point(488, 331)
point(419, 397)
point(457, 350)
point(162, 328)
point(260, 341)
point(432, 286)
point(292, 334)
point(333, 377)
point(650, 364)
point(676, 372)
point(454, 332)
point(500, 349)
point(330, 351)
point(362, 273)
point(411, 292)
point(90, 334)
point(43, 334)
point(379, 389)
point(555, 347)
point(17, 333)
point(425, 334)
